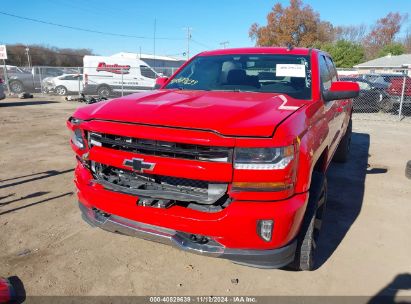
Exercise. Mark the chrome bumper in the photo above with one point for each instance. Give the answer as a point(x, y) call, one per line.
point(273, 258)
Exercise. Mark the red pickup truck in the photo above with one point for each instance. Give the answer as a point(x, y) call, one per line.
point(227, 158)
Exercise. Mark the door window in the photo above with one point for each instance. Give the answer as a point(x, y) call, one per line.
point(364, 85)
point(331, 68)
point(325, 74)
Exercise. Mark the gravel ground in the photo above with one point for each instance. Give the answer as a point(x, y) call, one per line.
point(365, 248)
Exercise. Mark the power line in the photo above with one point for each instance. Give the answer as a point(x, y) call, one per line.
point(177, 54)
point(84, 29)
point(202, 44)
point(224, 44)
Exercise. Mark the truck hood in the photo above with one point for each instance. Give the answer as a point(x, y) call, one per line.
point(227, 113)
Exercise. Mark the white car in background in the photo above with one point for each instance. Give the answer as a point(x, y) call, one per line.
point(64, 84)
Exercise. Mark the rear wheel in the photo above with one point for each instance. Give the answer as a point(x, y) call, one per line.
point(308, 237)
point(16, 87)
point(104, 91)
point(343, 150)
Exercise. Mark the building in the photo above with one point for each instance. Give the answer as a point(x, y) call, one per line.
point(161, 64)
point(387, 64)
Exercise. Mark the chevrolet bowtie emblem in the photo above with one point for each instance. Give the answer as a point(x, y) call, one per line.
point(139, 165)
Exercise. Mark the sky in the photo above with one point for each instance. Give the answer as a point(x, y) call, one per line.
point(211, 22)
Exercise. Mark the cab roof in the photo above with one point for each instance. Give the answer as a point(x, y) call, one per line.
point(259, 50)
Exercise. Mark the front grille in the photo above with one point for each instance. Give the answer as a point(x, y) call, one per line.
point(161, 148)
point(157, 186)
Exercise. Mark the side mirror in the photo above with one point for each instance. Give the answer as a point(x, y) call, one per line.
point(342, 90)
point(160, 82)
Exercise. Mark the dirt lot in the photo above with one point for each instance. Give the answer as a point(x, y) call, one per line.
point(43, 240)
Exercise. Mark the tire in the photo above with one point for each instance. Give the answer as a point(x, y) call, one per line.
point(307, 240)
point(104, 91)
point(386, 105)
point(16, 86)
point(61, 90)
point(408, 169)
point(343, 150)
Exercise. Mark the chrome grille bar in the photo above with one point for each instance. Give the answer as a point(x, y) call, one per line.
point(161, 148)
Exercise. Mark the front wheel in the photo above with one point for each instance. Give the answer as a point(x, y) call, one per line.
point(308, 237)
point(386, 105)
point(61, 90)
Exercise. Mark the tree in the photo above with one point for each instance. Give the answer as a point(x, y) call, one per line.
point(383, 33)
point(45, 56)
point(346, 54)
point(353, 33)
point(393, 49)
point(297, 24)
point(407, 40)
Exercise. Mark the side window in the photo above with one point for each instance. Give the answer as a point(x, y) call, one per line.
point(332, 68)
point(324, 74)
point(364, 85)
point(147, 72)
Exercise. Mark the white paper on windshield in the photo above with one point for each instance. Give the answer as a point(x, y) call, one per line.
point(290, 70)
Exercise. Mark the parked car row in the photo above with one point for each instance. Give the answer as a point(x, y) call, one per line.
point(381, 92)
point(101, 75)
point(31, 79)
point(108, 76)
point(372, 97)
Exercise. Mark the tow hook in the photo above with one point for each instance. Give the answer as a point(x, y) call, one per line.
point(155, 203)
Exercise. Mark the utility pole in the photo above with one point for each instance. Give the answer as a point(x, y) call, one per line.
point(155, 30)
point(188, 40)
point(28, 56)
point(224, 44)
point(6, 78)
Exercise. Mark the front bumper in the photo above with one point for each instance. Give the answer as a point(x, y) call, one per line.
point(273, 258)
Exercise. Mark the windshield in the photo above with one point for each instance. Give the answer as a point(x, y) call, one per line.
point(288, 74)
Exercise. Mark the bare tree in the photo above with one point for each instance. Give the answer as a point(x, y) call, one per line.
point(352, 33)
point(46, 55)
point(407, 40)
point(383, 33)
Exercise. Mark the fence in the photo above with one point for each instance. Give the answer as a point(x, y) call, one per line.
point(104, 80)
point(383, 94)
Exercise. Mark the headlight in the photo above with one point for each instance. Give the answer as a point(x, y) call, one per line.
point(75, 121)
point(77, 139)
point(263, 158)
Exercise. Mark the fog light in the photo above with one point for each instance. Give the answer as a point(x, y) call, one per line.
point(265, 229)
